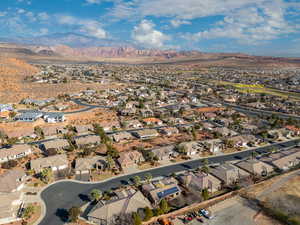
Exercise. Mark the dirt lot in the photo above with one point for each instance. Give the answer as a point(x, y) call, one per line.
point(234, 211)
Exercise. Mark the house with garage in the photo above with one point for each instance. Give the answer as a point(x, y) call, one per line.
point(54, 117)
point(87, 140)
point(121, 136)
point(255, 167)
point(118, 209)
point(130, 159)
point(166, 188)
point(11, 196)
point(165, 153)
point(14, 152)
point(56, 163)
point(84, 166)
point(57, 144)
point(198, 181)
point(228, 173)
point(145, 133)
point(28, 116)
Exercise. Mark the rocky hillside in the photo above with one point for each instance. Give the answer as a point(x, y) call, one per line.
point(12, 74)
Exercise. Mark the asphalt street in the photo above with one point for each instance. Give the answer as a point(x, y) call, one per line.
point(63, 195)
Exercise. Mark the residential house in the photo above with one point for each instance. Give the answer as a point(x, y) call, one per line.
point(166, 188)
point(190, 148)
point(255, 167)
point(28, 116)
point(243, 140)
point(151, 121)
point(54, 117)
point(146, 112)
point(80, 129)
point(6, 107)
point(199, 181)
point(12, 182)
point(121, 136)
point(110, 125)
point(14, 152)
point(145, 133)
point(91, 140)
point(132, 124)
point(165, 153)
point(130, 159)
point(224, 131)
point(283, 160)
point(85, 165)
point(228, 173)
point(56, 163)
point(57, 144)
point(212, 145)
point(118, 209)
point(169, 131)
point(51, 130)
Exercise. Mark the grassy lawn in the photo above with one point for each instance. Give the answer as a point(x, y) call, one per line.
point(257, 88)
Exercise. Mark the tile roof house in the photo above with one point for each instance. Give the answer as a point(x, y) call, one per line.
point(169, 131)
point(54, 117)
point(51, 130)
point(256, 167)
point(14, 152)
point(56, 163)
point(84, 165)
point(199, 181)
point(166, 188)
point(165, 152)
point(117, 209)
point(120, 136)
point(152, 121)
point(6, 107)
point(228, 173)
point(55, 144)
point(83, 128)
point(191, 147)
point(132, 124)
point(12, 181)
point(81, 141)
point(145, 133)
point(130, 159)
point(284, 159)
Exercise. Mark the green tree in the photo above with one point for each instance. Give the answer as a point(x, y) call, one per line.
point(38, 131)
point(111, 151)
point(96, 195)
point(137, 181)
point(136, 219)
point(100, 131)
point(254, 154)
point(46, 175)
point(110, 162)
point(205, 168)
point(28, 211)
point(205, 194)
point(164, 206)
point(148, 177)
point(74, 213)
point(148, 214)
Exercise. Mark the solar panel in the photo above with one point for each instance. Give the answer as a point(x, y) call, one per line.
point(167, 192)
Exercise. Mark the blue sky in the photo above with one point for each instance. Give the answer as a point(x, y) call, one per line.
point(261, 27)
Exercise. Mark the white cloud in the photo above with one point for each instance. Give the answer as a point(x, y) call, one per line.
point(43, 16)
point(88, 26)
point(3, 14)
point(146, 35)
point(44, 31)
point(93, 1)
point(20, 11)
point(176, 23)
point(250, 25)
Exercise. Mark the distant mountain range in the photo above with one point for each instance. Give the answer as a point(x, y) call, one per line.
point(77, 45)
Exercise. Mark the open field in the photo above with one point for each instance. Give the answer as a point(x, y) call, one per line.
point(256, 88)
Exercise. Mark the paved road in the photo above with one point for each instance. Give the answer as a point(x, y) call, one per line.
point(63, 195)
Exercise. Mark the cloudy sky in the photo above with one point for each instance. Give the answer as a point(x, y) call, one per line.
point(269, 27)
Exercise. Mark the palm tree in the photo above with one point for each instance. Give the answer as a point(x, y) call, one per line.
point(96, 195)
